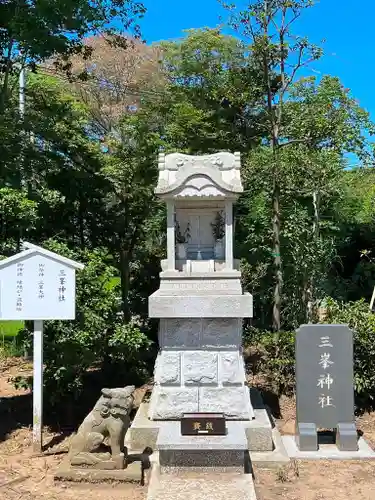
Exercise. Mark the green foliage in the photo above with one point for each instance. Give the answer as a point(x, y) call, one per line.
point(210, 100)
point(83, 185)
point(362, 321)
point(18, 215)
point(98, 338)
point(272, 354)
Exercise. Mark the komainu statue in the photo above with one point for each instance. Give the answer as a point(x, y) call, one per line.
point(110, 420)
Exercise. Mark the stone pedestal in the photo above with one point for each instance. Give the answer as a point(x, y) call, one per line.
point(200, 367)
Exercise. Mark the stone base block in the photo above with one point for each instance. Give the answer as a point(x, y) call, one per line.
point(259, 432)
point(199, 458)
point(200, 306)
point(307, 436)
point(170, 403)
point(143, 431)
point(201, 451)
point(131, 474)
point(328, 451)
point(271, 459)
point(346, 437)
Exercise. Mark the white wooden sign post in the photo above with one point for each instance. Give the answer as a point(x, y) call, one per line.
point(37, 285)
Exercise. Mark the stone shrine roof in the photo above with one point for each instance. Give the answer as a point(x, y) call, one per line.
point(206, 176)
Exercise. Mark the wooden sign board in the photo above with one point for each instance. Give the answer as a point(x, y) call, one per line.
point(203, 424)
point(37, 284)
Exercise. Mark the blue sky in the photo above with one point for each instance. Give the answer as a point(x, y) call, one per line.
point(346, 26)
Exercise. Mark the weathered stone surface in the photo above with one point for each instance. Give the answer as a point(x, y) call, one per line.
point(200, 333)
point(200, 367)
point(225, 274)
point(259, 432)
point(232, 286)
point(231, 371)
point(168, 368)
point(221, 332)
point(143, 431)
point(180, 333)
point(274, 459)
point(201, 458)
point(233, 401)
point(132, 473)
point(172, 402)
point(205, 484)
point(199, 176)
point(202, 306)
point(109, 417)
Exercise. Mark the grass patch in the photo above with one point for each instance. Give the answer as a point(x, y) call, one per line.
point(10, 329)
point(9, 344)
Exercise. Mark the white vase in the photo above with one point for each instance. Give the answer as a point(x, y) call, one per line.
point(181, 251)
point(219, 249)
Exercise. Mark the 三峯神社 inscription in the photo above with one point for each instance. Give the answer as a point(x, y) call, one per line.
point(325, 391)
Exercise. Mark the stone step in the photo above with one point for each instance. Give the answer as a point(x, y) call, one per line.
point(204, 485)
point(176, 450)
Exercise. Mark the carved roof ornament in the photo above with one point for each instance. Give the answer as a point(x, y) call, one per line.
point(206, 176)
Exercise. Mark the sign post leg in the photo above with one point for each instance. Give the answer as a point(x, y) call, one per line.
point(38, 387)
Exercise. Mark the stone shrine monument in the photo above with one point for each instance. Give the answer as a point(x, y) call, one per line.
point(200, 304)
point(325, 385)
point(200, 301)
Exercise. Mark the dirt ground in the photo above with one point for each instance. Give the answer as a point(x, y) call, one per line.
point(24, 477)
point(323, 480)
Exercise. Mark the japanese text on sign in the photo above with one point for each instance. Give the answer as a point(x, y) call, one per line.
point(324, 375)
point(19, 298)
point(325, 380)
point(62, 283)
point(41, 281)
point(197, 426)
point(194, 424)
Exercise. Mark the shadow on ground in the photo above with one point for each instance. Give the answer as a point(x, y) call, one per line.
point(65, 417)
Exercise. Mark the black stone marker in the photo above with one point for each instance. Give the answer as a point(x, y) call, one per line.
point(203, 424)
point(325, 390)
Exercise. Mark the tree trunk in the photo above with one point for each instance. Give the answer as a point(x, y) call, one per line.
point(276, 315)
point(81, 221)
point(8, 66)
point(276, 228)
point(125, 282)
point(310, 312)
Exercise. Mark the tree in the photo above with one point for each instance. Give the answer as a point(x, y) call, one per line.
point(301, 115)
point(117, 73)
point(32, 31)
point(212, 94)
point(336, 125)
point(268, 23)
point(313, 195)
